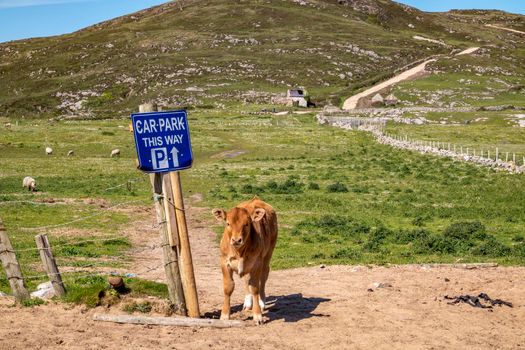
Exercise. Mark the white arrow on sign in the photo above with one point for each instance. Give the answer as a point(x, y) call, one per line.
point(175, 156)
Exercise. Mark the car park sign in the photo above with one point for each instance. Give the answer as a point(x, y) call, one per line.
point(162, 140)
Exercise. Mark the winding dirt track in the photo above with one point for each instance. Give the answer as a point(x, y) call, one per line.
point(351, 102)
point(311, 308)
point(503, 28)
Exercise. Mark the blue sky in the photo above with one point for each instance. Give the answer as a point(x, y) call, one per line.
point(20, 19)
point(514, 6)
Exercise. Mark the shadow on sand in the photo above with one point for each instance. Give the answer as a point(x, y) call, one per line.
point(290, 308)
point(293, 307)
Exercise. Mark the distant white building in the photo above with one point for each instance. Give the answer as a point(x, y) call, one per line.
point(297, 97)
point(294, 97)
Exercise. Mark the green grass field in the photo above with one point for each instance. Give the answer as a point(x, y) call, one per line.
point(341, 198)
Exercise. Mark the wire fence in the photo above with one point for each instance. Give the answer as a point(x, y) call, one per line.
point(85, 271)
point(509, 161)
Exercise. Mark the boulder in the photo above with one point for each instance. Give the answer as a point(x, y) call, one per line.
point(391, 100)
point(377, 100)
point(44, 291)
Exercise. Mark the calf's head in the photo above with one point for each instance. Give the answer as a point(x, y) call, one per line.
point(238, 223)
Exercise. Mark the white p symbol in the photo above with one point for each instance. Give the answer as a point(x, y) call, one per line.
point(159, 156)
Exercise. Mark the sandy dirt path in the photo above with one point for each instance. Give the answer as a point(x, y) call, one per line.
point(503, 28)
point(336, 307)
point(351, 102)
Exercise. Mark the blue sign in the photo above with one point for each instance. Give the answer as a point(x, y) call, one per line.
point(162, 140)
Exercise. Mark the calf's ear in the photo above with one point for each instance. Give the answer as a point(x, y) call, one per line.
point(258, 214)
point(219, 214)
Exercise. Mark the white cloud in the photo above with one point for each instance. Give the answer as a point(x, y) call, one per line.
point(26, 3)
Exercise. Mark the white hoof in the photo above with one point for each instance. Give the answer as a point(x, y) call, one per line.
point(261, 304)
point(248, 302)
point(258, 319)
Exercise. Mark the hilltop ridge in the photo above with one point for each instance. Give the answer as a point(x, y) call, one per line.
point(211, 53)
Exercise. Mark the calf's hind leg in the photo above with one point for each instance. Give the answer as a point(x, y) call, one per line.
point(228, 285)
point(262, 289)
point(254, 289)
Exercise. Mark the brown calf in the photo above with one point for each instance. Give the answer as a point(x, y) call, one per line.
point(246, 248)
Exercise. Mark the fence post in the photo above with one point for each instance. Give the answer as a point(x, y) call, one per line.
point(506, 156)
point(11, 266)
point(497, 154)
point(48, 260)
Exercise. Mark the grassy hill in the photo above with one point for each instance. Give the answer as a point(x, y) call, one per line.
point(212, 53)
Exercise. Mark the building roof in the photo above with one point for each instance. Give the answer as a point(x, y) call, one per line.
point(296, 93)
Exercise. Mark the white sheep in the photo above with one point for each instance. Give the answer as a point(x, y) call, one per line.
point(7, 125)
point(49, 151)
point(29, 183)
point(70, 153)
point(115, 153)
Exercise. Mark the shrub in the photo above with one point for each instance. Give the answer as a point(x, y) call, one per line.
point(142, 307)
point(465, 231)
point(289, 186)
point(420, 220)
point(32, 302)
point(249, 188)
point(376, 238)
point(337, 187)
point(332, 225)
point(519, 250)
point(346, 253)
point(491, 247)
point(407, 236)
point(313, 186)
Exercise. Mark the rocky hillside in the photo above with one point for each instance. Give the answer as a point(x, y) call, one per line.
point(204, 53)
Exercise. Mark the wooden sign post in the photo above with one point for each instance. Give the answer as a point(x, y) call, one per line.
point(170, 253)
point(188, 275)
point(171, 216)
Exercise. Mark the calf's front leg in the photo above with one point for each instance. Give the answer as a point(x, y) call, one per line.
point(228, 285)
point(254, 289)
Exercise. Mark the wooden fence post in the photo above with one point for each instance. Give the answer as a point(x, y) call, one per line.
point(50, 265)
point(11, 266)
point(188, 275)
